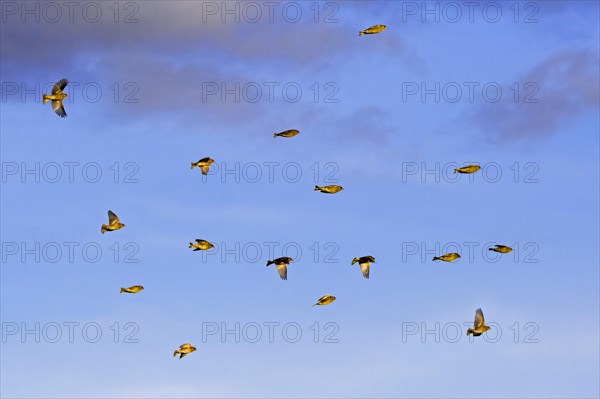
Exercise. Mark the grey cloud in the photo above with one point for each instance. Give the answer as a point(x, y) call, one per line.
point(568, 84)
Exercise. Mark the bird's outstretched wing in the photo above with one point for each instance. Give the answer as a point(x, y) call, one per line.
point(185, 346)
point(59, 86)
point(112, 218)
point(364, 268)
point(282, 270)
point(58, 108)
point(479, 320)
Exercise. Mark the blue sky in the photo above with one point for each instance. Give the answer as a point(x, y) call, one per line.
point(369, 136)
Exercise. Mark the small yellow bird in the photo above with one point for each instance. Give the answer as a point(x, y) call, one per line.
point(479, 326)
point(113, 223)
point(281, 264)
point(447, 257)
point(329, 189)
point(503, 249)
point(201, 245)
point(203, 164)
point(183, 350)
point(325, 300)
point(468, 169)
point(287, 133)
point(365, 264)
point(57, 96)
point(372, 30)
point(134, 289)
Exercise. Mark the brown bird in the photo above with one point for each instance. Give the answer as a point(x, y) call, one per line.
point(447, 257)
point(203, 164)
point(479, 326)
point(365, 264)
point(57, 96)
point(183, 350)
point(503, 249)
point(287, 133)
point(325, 300)
point(281, 264)
point(113, 223)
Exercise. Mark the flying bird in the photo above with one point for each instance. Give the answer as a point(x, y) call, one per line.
point(365, 264)
point(329, 189)
point(479, 326)
point(372, 30)
point(468, 169)
point(183, 350)
point(203, 164)
point(281, 264)
point(132, 290)
point(113, 223)
point(287, 133)
point(447, 257)
point(201, 245)
point(325, 300)
point(503, 249)
point(57, 96)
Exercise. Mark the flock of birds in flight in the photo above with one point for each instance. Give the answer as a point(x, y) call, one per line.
point(57, 96)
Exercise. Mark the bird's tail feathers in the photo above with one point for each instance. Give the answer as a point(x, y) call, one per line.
point(45, 99)
point(317, 188)
point(193, 164)
point(269, 262)
point(361, 33)
point(274, 134)
point(469, 331)
point(103, 229)
point(122, 291)
point(435, 258)
point(191, 245)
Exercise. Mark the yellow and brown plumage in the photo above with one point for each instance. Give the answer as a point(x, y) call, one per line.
point(447, 257)
point(201, 245)
point(281, 264)
point(184, 350)
point(134, 289)
point(325, 300)
point(332, 189)
point(503, 249)
point(203, 164)
point(468, 169)
point(113, 223)
point(57, 96)
point(479, 326)
point(365, 264)
point(287, 133)
point(373, 30)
